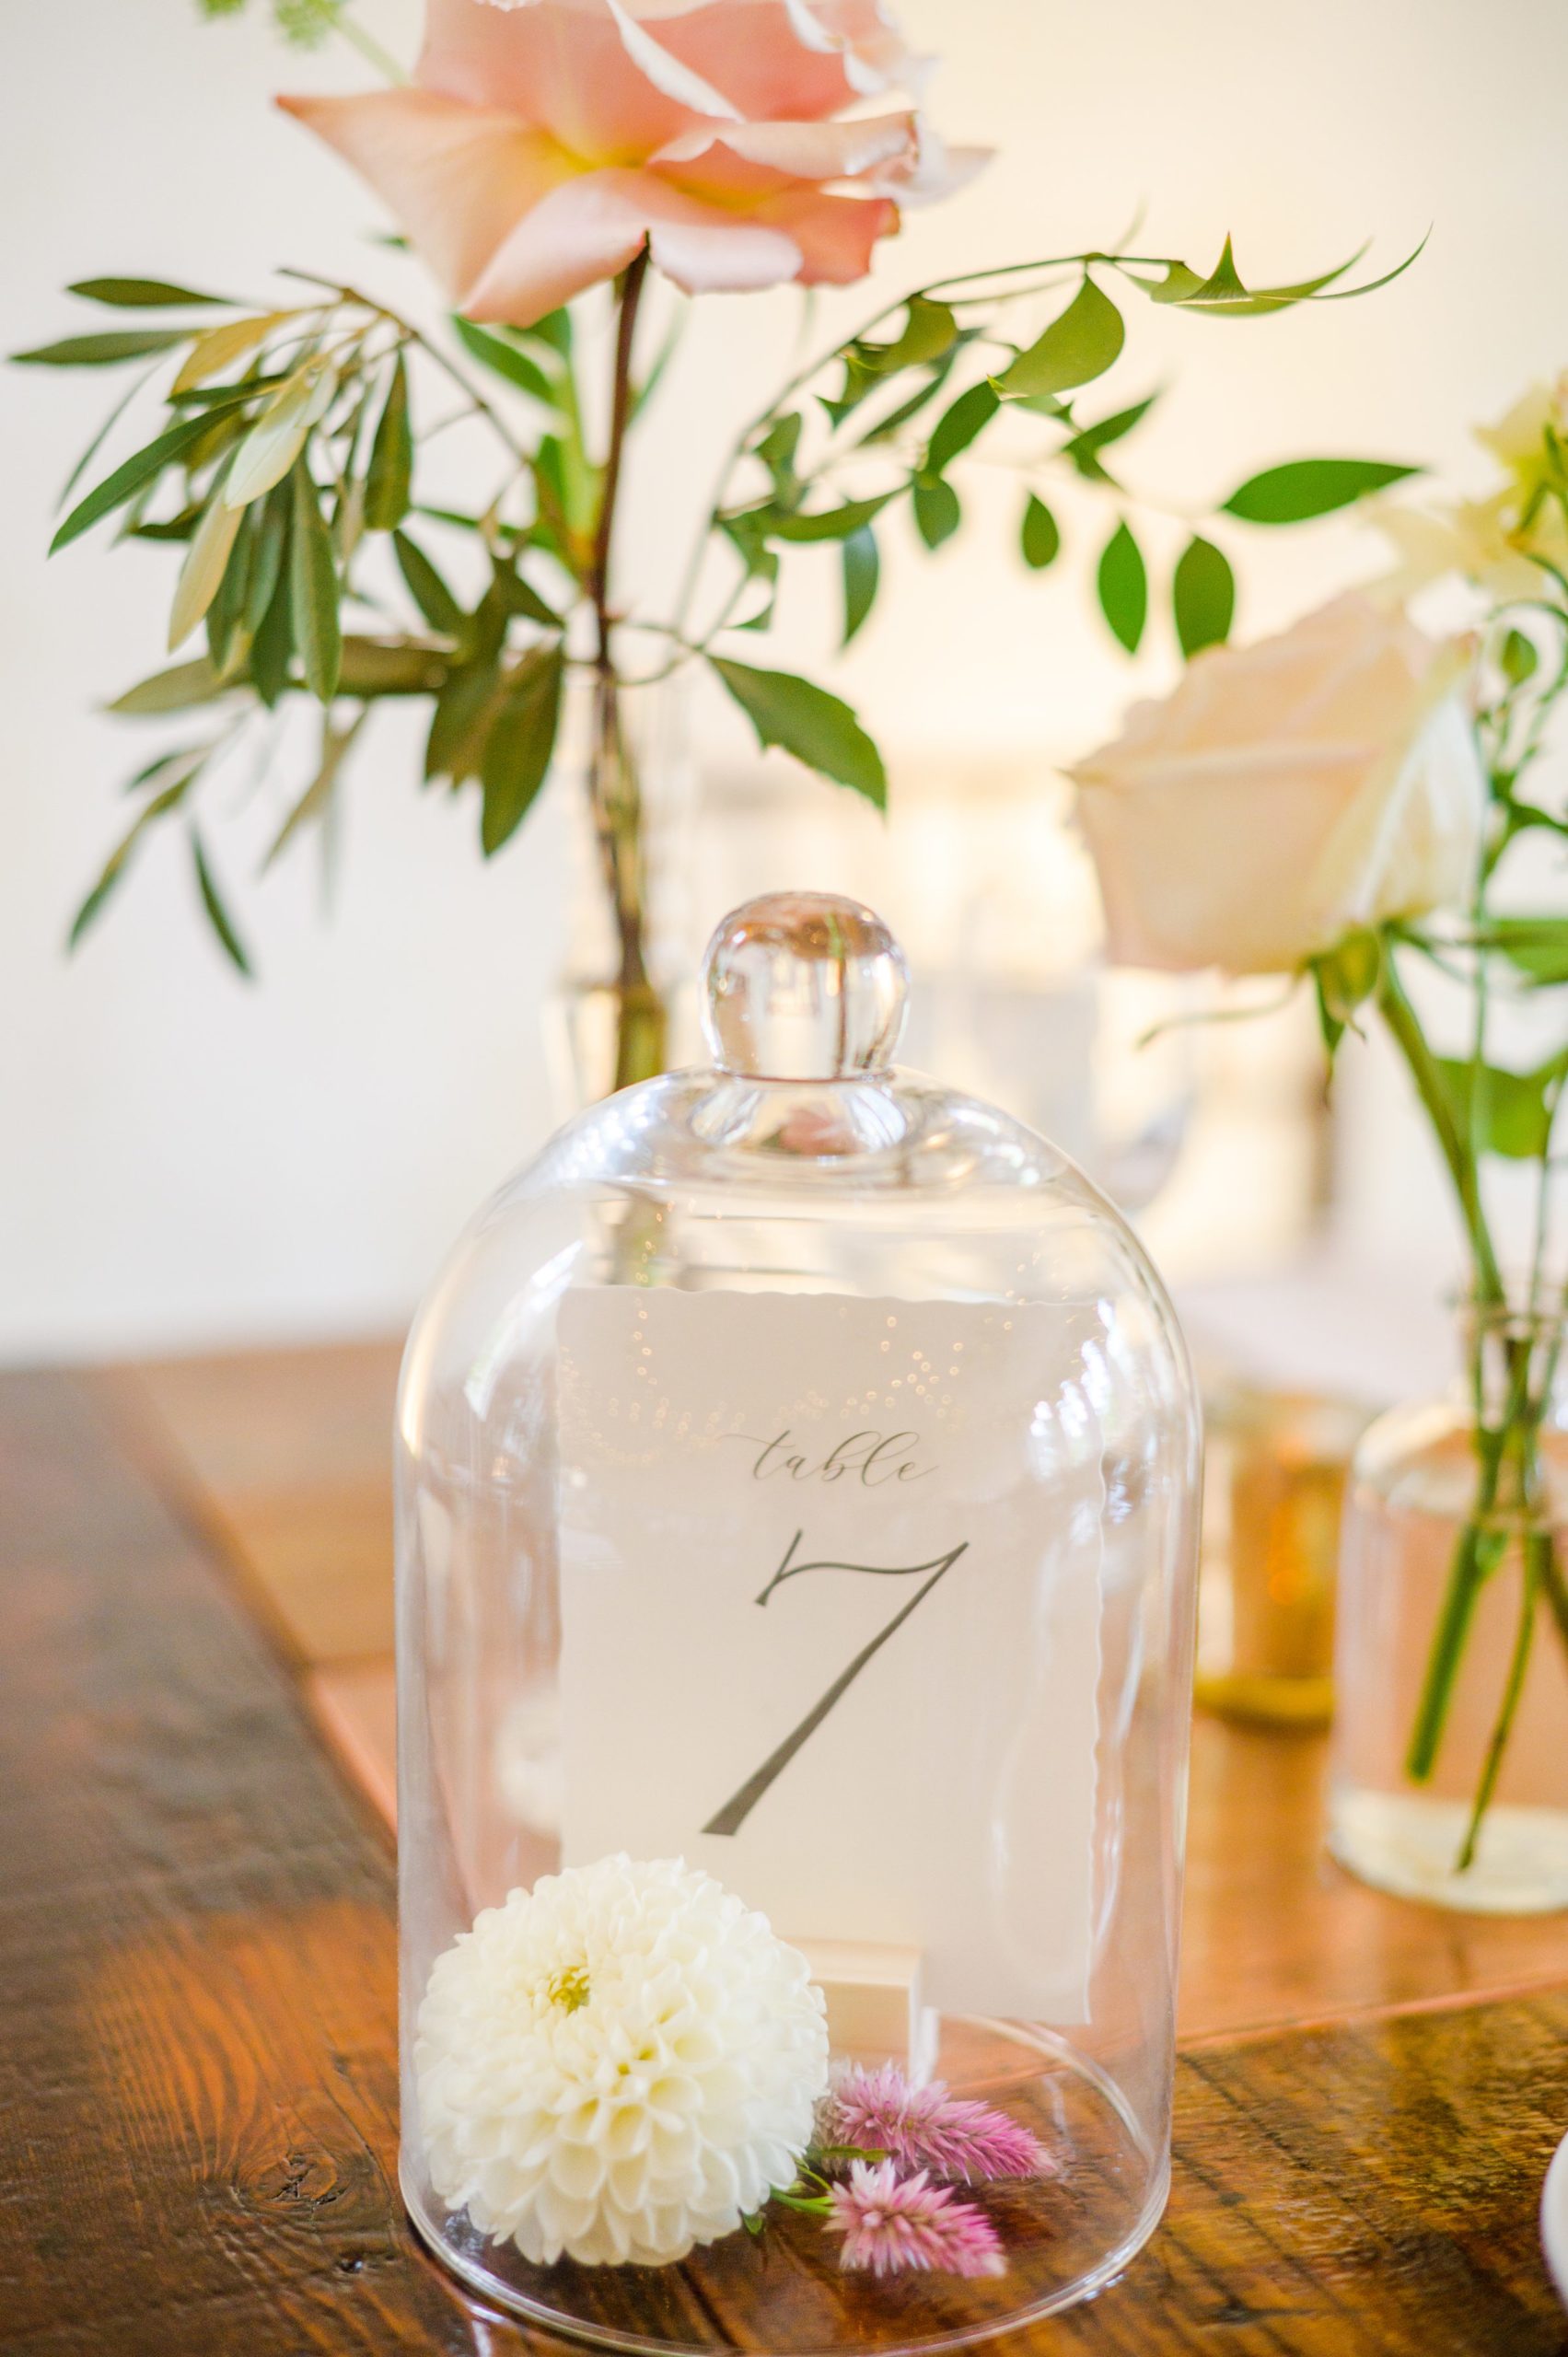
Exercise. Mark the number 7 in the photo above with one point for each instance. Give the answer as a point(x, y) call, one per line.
point(739, 1807)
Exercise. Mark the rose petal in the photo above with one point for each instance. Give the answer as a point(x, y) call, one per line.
point(591, 226)
point(746, 156)
point(939, 170)
point(791, 58)
point(836, 235)
point(457, 178)
point(665, 72)
point(562, 65)
point(786, 59)
point(1284, 792)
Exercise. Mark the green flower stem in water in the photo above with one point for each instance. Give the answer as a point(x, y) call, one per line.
point(1510, 1448)
point(1537, 1543)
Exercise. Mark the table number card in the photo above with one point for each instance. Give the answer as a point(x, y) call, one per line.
point(830, 1582)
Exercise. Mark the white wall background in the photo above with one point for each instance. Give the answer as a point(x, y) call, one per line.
point(185, 1159)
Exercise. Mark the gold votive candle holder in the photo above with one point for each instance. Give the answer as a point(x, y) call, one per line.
point(1277, 1464)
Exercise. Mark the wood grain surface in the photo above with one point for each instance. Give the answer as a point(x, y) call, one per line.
point(197, 2088)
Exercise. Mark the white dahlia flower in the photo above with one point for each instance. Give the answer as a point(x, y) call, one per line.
point(618, 2064)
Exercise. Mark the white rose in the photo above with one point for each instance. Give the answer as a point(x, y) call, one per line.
point(1494, 541)
point(1285, 793)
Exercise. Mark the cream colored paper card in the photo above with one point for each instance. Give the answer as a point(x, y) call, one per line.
point(831, 1582)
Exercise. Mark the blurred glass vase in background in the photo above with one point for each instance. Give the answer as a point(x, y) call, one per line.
point(1450, 1762)
point(603, 1031)
point(1275, 1490)
point(995, 902)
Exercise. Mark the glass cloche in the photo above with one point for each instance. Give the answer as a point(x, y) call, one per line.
point(798, 1466)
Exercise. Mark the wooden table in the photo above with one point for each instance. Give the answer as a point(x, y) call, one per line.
point(197, 2062)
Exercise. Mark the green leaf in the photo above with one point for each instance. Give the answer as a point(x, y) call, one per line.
point(1309, 487)
point(571, 481)
point(483, 637)
point(958, 426)
point(930, 337)
point(1222, 284)
point(1344, 979)
point(316, 800)
point(833, 523)
point(762, 564)
point(1224, 295)
point(1204, 595)
point(392, 666)
point(521, 740)
point(101, 350)
point(460, 725)
point(104, 431)
point(937, 513)
point(1076, 348)
point(188, 766)
point(218, 916)
point(143, 294)
point(219, 346)
point(206, 561)
point(212, 398)
point(226, 643)
point(1083, 449)
point(522, 598)
point(777, 451)
point(1537, 947)
point(427, 589)
point(272, 649)
point(390, 474)
point(805, 720)
point(172, 691)
point(266, 559)
point(1518, 657)
point(313, 589)
point(887, 428)
point(555, 330)
point(1123, 587)
point(279, 434)
point(1041, 538)
point(1508, 1113)
point(458, 521)
point(178, 529)
point(142, 468)
point(929, 331)
point(504, 359)
point(1179, 284)
point(862, 569)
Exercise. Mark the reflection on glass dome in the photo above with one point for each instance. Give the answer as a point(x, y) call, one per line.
point(797, 1481)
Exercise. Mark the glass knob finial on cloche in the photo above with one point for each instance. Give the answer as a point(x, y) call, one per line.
point(803, 986)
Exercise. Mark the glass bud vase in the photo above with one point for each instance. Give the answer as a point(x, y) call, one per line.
point(797, 1489)
point(1450, 1770)
point(620, 1010)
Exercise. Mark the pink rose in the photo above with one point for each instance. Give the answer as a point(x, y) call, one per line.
point(544, 141)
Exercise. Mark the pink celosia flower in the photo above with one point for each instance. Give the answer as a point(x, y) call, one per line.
point(890, 2223)
point(543, 142)
point(925, 2127)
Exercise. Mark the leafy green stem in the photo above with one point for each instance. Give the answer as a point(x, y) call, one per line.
point(614, 794)
point(433, 351)
point(1406, 1032)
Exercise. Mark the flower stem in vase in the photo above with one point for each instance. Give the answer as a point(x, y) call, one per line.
point(641, 1020)
point(1536, 1542)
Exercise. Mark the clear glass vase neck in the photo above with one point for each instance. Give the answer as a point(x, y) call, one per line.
point(1514, 1362)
